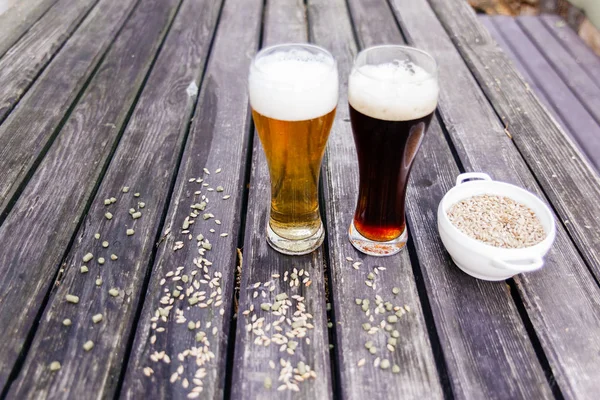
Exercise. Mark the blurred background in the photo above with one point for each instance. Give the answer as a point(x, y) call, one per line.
point(582, 15)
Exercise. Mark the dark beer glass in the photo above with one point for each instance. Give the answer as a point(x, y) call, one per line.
point(392, 95)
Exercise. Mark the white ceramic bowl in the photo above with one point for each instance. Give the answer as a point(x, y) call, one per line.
point(482, 260)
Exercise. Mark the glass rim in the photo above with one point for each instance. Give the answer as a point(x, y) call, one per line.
point(261, 52)
point(434, 73)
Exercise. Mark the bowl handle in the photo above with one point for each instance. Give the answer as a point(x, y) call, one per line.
point(525, 265)
point(472, 175)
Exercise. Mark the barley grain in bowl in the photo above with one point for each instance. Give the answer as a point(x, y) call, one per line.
point(494, 230)
point(498, 221)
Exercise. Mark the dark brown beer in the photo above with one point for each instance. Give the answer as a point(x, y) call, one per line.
point(386, 151)
point(392, 93)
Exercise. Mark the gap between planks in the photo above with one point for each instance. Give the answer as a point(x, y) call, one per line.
point(18, 19)
point(496, 152)
point(418, 373)
point(58, 197)
point(456, 299)
point(574, 188)
point(28, 58)
point(214, 141)
point(284, 21)
point(34, 125)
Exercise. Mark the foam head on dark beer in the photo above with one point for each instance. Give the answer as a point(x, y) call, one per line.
point(395, 91)
point(293, 85)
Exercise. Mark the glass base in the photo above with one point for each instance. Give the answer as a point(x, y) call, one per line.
point(295, 247)
point(373, 248)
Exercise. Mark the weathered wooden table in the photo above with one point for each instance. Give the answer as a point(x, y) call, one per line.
point(560, 69)
point(100, 95)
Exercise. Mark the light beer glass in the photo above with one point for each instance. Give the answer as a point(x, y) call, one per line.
point(392, 95)
point(293, 91)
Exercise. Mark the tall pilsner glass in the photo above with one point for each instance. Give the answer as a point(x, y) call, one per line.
point(393, 93)
point(293, 94)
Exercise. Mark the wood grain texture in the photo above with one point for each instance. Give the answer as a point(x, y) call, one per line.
point(485, 344)
point(284, 22)
point(43, 222)
point(585, 88)
point(23, 62)
point(218, 138)
point(583, 54)
point(18, 18)
point(482, 145)
point(571, 184)
point(586, 131)
point(487, 21)
point(418, 376)
point(145, 160)
point(31, 127)
point(474, 319)
point(541, 72)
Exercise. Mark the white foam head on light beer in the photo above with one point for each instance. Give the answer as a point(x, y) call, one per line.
point(395, 91)
point(293, 85)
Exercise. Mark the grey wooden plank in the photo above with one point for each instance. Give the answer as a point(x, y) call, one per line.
point(570, 182)
point(585, 130)
point(418, 376)
point(31, 127)
point(497, 33)
point(482, 145)
point(218, 138)
point(284, 22)
point(488, 22)
point(18, 18)
point(474, 319)
point(582, 86)
point(145, 160)
point(574, 187)
point(583, 54)
point(24, 61)
point(42, 224)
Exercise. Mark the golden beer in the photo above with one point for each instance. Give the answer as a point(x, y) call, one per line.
point(293, 94)
point(294, 151)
